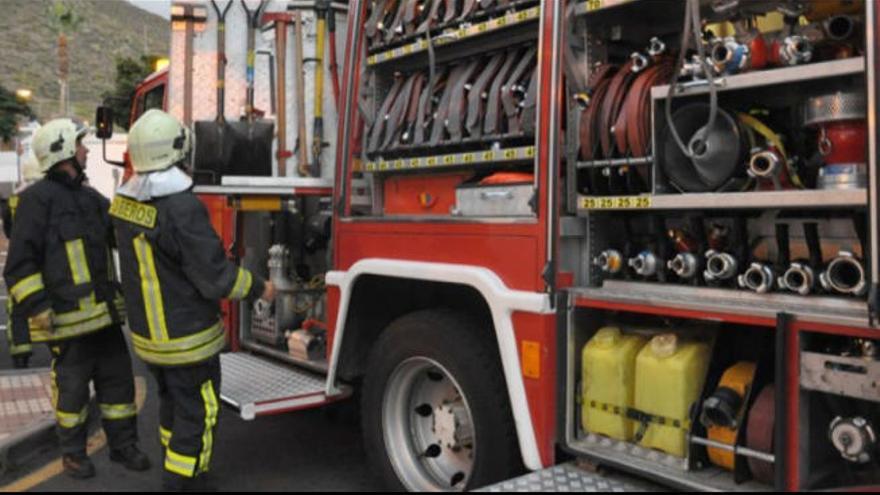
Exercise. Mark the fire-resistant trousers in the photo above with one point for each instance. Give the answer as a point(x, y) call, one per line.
point(101, 357)
point(189, 402)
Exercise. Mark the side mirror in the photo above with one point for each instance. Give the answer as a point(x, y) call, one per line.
point(104, 122)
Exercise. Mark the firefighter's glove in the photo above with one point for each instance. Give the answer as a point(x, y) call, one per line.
point(42, 321)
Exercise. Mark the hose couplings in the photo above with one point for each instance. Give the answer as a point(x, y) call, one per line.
point(656, 47)
point(609, 261)
point(795, 50)
point(799, 278)
point(639, 62)
point(765, 164)
point(684, 265)
point(845, 275)
point(729, 56)
point(839, 27)
point(759, 277)
point(645, 264)
point(719, 266)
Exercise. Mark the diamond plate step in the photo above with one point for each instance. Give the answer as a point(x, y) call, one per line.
point(258, 387)
point(570, 478)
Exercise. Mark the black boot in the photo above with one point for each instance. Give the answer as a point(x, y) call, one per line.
point(78, 466)
point(131, 457)
point(20, 361)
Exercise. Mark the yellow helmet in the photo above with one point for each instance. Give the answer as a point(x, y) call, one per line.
point(157, 141)
point(55, 142)
point(30, 169)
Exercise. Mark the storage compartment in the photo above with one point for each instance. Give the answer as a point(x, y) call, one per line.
point(673, 397)
point(839, 411)
point(421, 195)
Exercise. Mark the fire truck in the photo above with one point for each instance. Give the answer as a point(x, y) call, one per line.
point(579, 239)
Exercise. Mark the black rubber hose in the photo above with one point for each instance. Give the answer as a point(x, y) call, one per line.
point(860, 223)
point(662, 245)
point(783, 254)
point(698, 230)
point(742, 239)
point(814, 245)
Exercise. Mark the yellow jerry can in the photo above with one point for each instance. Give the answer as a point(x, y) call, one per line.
point(669, 378)
point(608, 376)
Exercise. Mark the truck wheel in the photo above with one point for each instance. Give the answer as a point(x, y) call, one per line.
point(435, 407)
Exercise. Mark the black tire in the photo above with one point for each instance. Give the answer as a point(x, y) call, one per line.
point(456, 343)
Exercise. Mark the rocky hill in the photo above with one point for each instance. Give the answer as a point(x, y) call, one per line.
point(110, 29)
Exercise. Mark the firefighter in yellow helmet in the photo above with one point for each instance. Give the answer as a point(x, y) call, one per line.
point(60, 274)
point(174, 274)
point(17, 332)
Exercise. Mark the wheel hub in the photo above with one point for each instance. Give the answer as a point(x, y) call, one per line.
point(452, 426)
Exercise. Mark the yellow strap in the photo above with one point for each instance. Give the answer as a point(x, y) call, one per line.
point(151, 290)
point(209, 398)
point(27, 286)
point(775, 140)
point(627, 411)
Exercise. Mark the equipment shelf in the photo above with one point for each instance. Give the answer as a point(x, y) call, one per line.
point(721, 304)
point(513, 23)
point(464, 159)
point(807, 198)
point(769, 77)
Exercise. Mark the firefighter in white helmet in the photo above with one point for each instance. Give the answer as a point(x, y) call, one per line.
point(17, 332)
point(174, 274)
point(60, 274)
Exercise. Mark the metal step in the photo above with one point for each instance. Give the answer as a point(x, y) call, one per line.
point(257, 386)
point(569, 477)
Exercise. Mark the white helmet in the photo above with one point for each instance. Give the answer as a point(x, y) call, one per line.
point(30, 169)
point(157, 141)
point(55, 142)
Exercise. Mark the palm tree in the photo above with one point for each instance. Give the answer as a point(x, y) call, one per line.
point(64, 22)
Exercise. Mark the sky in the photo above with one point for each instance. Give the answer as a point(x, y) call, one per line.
point(159, 7)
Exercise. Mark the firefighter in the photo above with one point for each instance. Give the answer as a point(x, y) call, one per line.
point(60, 273)
point(174, 273)
point(17, 332)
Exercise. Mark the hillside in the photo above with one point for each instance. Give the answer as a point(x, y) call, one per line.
point(110, 29)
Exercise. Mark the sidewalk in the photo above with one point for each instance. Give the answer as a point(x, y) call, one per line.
point(26, 415)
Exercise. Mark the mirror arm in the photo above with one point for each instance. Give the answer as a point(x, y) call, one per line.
point(104, 155)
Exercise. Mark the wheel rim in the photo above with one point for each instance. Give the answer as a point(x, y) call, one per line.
point(428, 427)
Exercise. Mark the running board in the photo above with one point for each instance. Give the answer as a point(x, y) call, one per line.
point(569, 477)
point(256, 386)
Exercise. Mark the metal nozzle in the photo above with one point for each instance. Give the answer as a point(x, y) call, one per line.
point(684, 265)
point(719, 266)
point(729, 56)
point(645, 264)
point(799, 278)
point(845, 275)
point(758, 278)
point(765, 164)
point(609, 261)
point(795, 50)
